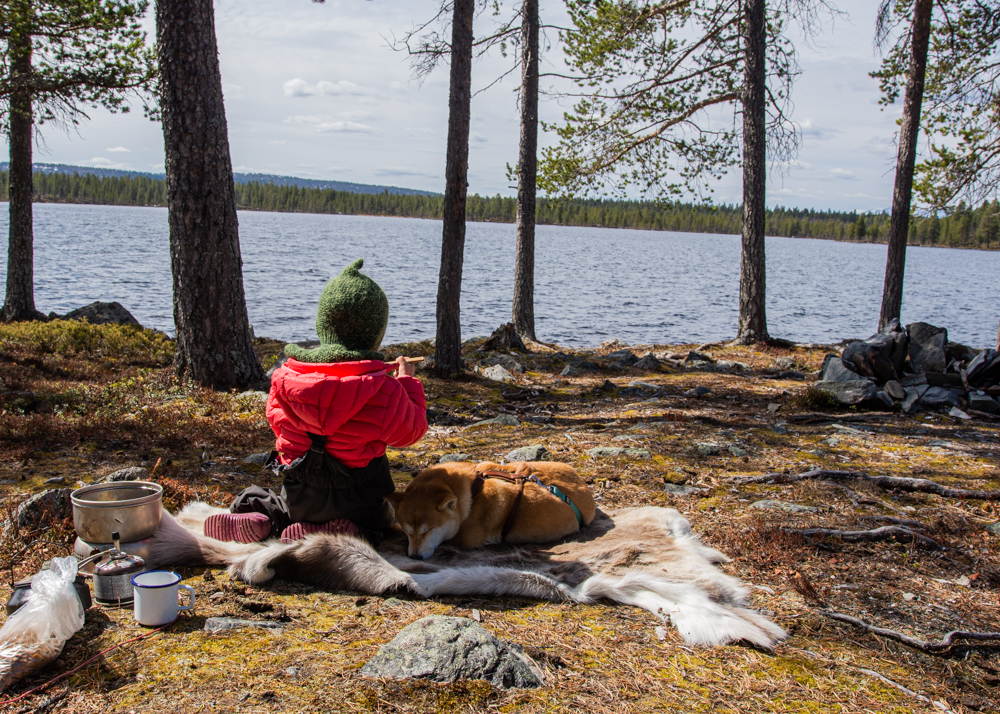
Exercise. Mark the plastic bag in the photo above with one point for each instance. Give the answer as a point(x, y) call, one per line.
point(36, 633)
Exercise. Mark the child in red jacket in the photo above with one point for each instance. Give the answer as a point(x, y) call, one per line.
point(333, 409)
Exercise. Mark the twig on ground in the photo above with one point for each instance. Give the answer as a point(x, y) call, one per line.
point(814, 417)
point(898, 521)
point(897, 685)
point(892, 483)
point(983, 415)
point(935, 648)
point(903, 535)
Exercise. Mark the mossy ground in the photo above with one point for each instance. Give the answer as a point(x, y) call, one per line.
point(77, 402)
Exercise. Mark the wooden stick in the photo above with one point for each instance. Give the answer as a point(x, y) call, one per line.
point(892, 483)
point(940, 647)
point(409, 360)
point(903, 535)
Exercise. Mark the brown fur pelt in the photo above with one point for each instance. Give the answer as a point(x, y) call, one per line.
point(647, 557)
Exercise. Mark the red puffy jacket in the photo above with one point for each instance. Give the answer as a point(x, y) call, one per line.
point(355, 405)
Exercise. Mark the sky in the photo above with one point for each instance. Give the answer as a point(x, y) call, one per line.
point(315, 90)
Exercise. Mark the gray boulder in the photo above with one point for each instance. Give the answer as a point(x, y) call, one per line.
point(258, 459)
point(448, 649)
point(984, 370)
point(695, 356)
point(626, 358)
point(679, 489)
point(940, 398)
point(129, 473)
point(536, 452)
point(599, 451)
point(569, 371)
point(927, 347)
point(961, 353)
point(44, 509)
point(708, 449)
point(770, 505)
point(498, 373)
point(835, 370)
point(448, 458)
point(698, 391)
point(900, 345)
point(648, 363)
point(983, 403)
point(872, 357)
point(848, 393)
point(506, 361)
point(782, 364)
point(894, 389)
point(280, 361)
point(911, 400)
point(499, 420)
point(103, 313)
point(221, 624)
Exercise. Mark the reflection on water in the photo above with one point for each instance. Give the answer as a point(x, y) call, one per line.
point(591, 283)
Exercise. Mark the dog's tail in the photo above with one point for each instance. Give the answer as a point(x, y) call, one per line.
point(699, 619)
point(173, 544)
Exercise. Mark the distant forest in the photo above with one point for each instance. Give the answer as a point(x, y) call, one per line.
point(965, 228)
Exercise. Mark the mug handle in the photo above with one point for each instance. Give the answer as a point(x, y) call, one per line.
point(190, 593)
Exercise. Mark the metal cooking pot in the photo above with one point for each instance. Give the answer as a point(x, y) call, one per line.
point(133, 508)
point(113, 579)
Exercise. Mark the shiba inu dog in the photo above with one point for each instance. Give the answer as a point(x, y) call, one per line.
point(471, 505)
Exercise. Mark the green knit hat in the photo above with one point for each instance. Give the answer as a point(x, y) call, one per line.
point(350, 320)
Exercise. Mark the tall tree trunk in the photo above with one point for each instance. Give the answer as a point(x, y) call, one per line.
point(448, 347)
point(753, 312)
point(214, 346)
point(906, 157)
point(19, 302)
point(527, 175)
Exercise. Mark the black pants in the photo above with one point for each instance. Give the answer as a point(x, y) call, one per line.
point(317, 488)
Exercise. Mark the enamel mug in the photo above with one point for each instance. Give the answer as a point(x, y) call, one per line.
point(156, 597)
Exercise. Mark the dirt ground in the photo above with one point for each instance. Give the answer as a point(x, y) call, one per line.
point(78, 402)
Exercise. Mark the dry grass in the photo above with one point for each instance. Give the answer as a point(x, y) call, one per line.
point(81, 404)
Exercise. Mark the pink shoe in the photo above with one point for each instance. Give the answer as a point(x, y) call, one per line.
point(239, 527)
point(298, 531)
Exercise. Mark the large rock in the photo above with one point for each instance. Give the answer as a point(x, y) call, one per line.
point(961, 353)
point(222, 624)
point(44, 509)
point(103, 313)
point(536, 452)
point(498, 374)
point(129, 473)
point(848, 393)
point(984, 370)
point(625, 358)
point(983, 403)
point(834, 370)
point(901, 344)
point(911, 399)
point(599, 451)
point(941, 398)
point(872, 357)
point(499, 420)
point(448, 649)
point(928, 346)
point(649, 363)
point(506, 361)
point(448, 458)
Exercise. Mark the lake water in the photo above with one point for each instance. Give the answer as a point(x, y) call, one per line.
point(591, 284)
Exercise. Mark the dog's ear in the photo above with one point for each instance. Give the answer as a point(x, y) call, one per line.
point(449, 504)
point(394, 499)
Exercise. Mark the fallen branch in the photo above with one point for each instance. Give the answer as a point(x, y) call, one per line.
point(903, 535)
point(816, 417)
point(941, 647)
point(982, 415)
point(891, 483)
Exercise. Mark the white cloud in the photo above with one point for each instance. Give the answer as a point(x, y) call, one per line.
point(326, 125)
point(842, 174)
point(119, 149)
point(299, 87)
point(101, 162)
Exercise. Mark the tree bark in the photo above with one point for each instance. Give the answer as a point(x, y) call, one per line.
point(19, 301)
point(448, 347)
point(753, 312)
point(214, 346)
point(899, 224)
point(527, 176)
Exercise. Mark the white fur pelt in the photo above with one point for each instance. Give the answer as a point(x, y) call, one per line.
point(646, 557)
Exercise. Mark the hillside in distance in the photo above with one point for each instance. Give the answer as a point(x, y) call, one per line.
point(238, 177)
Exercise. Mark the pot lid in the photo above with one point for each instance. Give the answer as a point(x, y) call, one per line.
point(120, 564)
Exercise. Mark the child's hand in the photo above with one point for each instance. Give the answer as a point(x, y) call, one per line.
point(404, 368)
